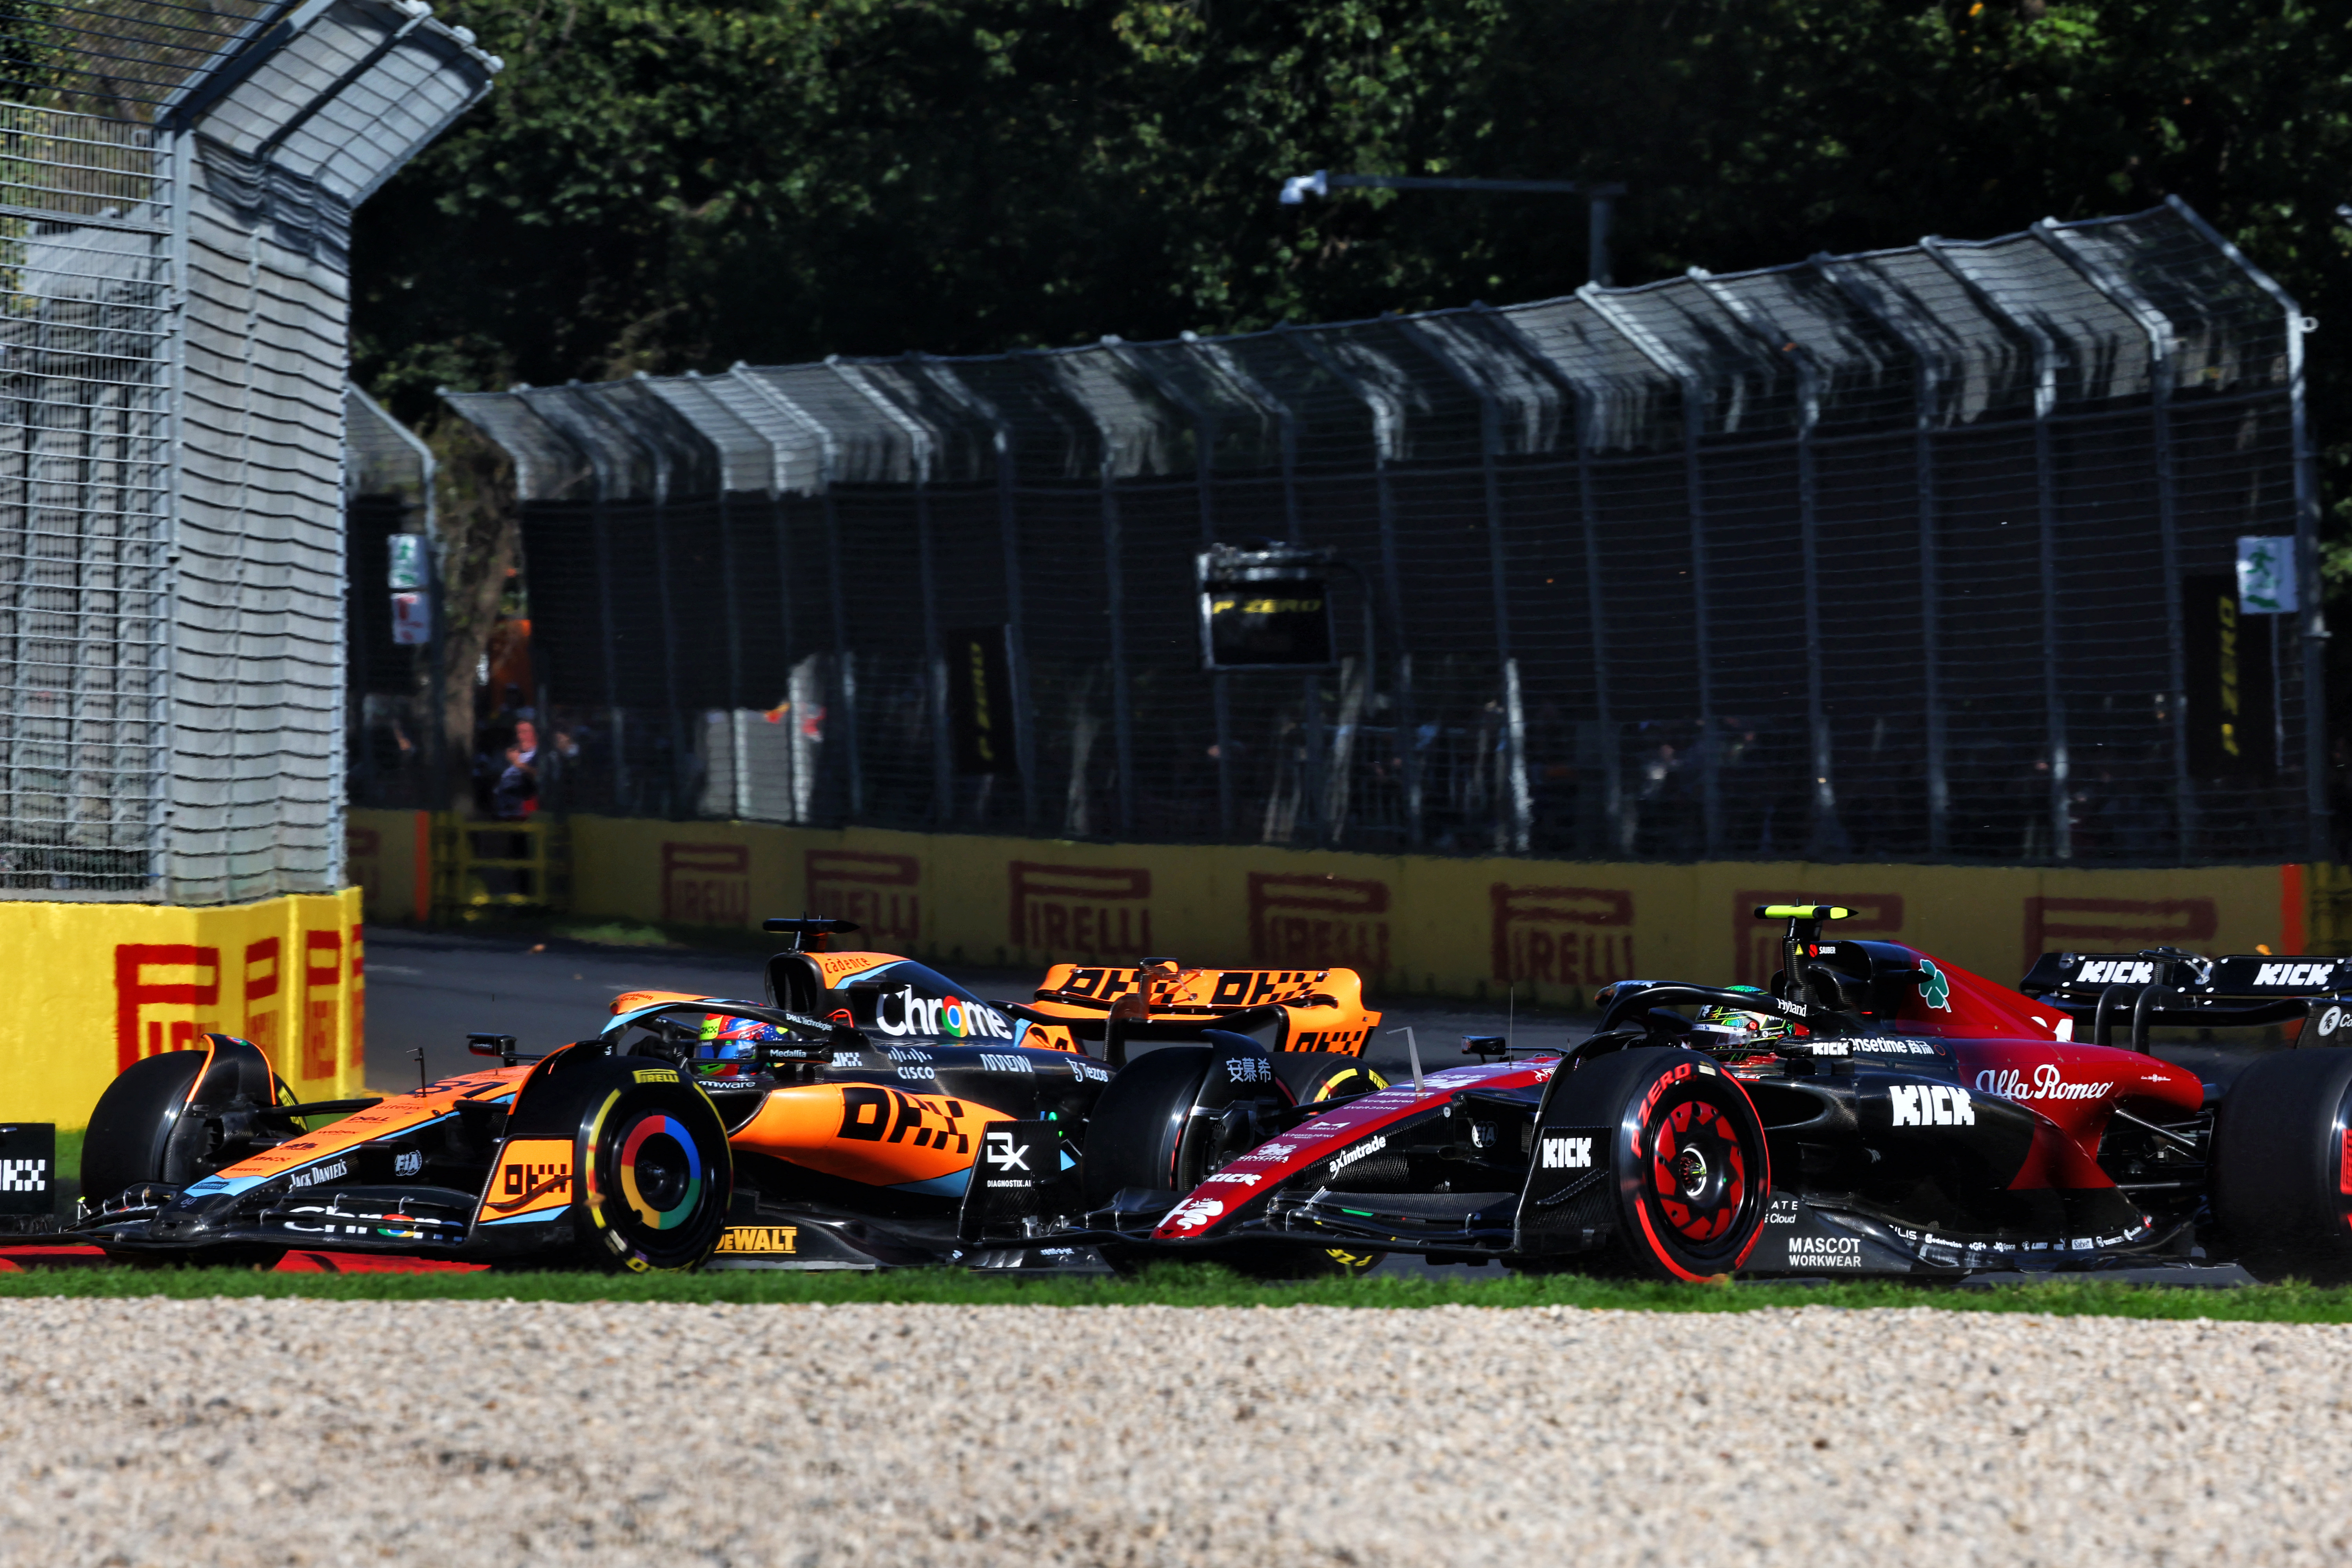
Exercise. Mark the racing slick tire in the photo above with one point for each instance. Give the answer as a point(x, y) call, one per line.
point(2281, 1186)
point(1313, 1077)
point(130, 1135)
point(1693, 1179)
point(1136, 1130)
point(656, 1173)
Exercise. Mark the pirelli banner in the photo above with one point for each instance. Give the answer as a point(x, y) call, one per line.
point(93, 987)
point(1410, 924)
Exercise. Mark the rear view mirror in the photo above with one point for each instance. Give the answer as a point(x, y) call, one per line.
point(500, 1046)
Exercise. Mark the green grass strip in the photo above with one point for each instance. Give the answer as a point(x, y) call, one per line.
point(1201, 1285)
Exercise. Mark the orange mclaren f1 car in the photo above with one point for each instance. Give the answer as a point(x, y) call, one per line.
point(867, 1111)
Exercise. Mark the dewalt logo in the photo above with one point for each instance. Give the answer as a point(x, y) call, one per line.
point(762, 1239)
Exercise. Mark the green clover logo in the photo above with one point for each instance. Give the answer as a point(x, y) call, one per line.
point(1933, 989)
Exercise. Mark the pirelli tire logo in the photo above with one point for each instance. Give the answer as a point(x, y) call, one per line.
point(759, 1240)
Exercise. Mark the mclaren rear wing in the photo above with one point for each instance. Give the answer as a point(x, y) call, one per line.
point(2167, 988)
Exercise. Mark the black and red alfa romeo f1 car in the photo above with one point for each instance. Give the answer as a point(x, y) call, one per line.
point(1873, 1112)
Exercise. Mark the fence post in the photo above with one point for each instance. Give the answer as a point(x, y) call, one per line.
point(1386, 420)
point(1580, 404)
point(1824, 833)
point(2045, 401)
point(845, 670)
point(1204, 468)
point(1694, 427)
point(1122, 716)
point(1926, 375)
point(2158, 330)
point(617, 411)
point(1008, 529)
point(1517, 836)
point(935, 668)
point(2318, 842)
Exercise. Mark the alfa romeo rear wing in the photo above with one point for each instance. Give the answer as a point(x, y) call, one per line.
point(2164, 987)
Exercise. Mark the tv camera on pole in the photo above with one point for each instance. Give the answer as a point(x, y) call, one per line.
point(1604, 197)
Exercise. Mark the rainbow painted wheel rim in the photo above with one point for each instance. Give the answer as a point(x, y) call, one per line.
point(633, 1192)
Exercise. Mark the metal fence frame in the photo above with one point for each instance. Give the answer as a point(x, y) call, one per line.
point(175, 227)
point(1737, 408)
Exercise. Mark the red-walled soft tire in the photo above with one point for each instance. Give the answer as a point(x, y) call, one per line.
point(1692, 1173)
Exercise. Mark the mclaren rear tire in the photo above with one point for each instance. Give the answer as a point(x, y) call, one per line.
point(1692, 1177)
point(2281, 1185)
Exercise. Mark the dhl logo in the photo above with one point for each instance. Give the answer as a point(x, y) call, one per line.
point(767, 1240)
point(536, 1173)
point(1342, 1042)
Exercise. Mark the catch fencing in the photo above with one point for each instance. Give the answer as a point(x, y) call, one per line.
point(1922, 553)
point(176, 184)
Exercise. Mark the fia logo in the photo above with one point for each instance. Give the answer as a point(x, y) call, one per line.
point(1566, 1153)
point(999, 1150)
point(407, 1162)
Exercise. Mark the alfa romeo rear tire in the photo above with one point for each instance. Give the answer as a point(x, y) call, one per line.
point(1315, 1076)
point(2281, 1189)
point(1692, 1173)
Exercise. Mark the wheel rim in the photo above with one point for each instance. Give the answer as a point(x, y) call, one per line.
point(661, 1173)
point(656, 1178)
point(1698, 1171)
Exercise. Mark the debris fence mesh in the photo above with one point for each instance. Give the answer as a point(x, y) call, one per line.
point(1922, 553)
point(176, 184)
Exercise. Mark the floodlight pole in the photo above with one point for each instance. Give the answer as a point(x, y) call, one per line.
point(1603, 198)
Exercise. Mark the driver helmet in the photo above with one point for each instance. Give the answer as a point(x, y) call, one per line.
point(730, 1046)
point(1738, 1027)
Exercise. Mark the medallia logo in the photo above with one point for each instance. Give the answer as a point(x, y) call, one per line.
point(1934, 989)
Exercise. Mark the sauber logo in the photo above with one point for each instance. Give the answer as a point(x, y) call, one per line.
point(1931, 1105)
point(1566, 1153)
point(2291, 974)
point(2123, 972)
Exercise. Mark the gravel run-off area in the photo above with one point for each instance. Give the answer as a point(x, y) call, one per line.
point(289, 1431)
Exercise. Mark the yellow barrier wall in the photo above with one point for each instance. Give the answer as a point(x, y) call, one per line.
point(389, 855)
point(94, 987)
point(1462, 927)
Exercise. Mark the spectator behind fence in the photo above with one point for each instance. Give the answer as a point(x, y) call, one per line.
point(515, 796)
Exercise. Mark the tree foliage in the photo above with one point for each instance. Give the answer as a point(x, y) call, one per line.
point(661, 184)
